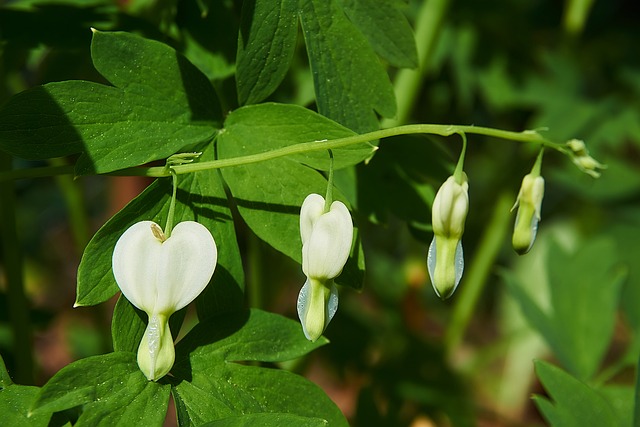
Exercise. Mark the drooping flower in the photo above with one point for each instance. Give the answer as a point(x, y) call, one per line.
point(326, 243)
point(445, 259)
point(529, 202)
point(160, 275)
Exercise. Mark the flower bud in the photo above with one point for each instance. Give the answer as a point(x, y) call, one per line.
point(529, 202)
point(582, 159)
point(326, 243)
point(445, 260)
point(161, 275)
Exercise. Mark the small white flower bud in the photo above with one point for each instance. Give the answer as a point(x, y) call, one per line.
point(445, 260)
point(326, 243)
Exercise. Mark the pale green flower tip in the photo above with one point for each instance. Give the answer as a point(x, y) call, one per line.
point(156, 353)
point(582, 159)
point(316, 306)
point(529, 203)
point(445, 263)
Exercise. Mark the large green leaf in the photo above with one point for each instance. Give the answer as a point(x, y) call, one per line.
point(111, 390)
point(584, 293)
point(269, 194)
point(201, 197)
point(572, 403)
point(266, 43)
point(267, 420)
point(349, 80)
point(159, 104)
point(213, 387)
point(386, 29)
point(265, 127)
point(16, 401)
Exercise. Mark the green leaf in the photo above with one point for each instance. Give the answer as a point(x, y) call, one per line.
point(269, 194)
point(572, 402)
point(5, 378)
point(386, 29)
point(264, 127)
point(266, 43)
point(201, 198)
point(213, 387)
point(585, 289)
point(160, 104)
point(111, 389)
point(267, 420)
point(15, 405)
point(349, 80)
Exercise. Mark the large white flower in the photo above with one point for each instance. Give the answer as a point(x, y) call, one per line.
point(160, 276)
point(326, 243)
point(445, 260)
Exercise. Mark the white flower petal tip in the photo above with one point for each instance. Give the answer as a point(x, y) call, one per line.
point(445, 268)
point(317, 304)
point(160, 276)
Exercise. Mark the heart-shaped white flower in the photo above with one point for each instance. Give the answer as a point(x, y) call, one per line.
point(161, 276)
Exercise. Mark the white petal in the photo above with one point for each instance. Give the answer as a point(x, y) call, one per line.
point(135, 265)
point(312, 208)
point(325, 253)
point(188, 259)
point(163, 277)
point(431, 266)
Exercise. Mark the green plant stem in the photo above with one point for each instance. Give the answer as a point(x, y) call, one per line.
point(528, 136)
point(460, 166)
point(476, 277)
point(17, 303)
point(168, 228)
point(408, 83)
point(329, 196)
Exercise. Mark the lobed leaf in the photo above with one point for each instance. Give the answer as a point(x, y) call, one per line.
point(266, 44)
point(111, 390)
point(349, 80)
point(214, 388)
point(585, 288)
point(386, 29)
point(159, 104)
point(572, 402)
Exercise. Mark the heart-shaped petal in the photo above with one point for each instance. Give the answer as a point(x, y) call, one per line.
point(161, 277)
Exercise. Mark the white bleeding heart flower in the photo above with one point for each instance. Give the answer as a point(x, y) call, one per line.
point(326, 243)
point(529, 203)
point(160, 276)
point(445, 260)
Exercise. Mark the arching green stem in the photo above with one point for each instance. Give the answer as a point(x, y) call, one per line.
point(457, 174)
point(329, 196)
point(529, 136)
point(172, 205)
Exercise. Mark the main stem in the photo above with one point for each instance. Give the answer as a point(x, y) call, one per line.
point(305, 147)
